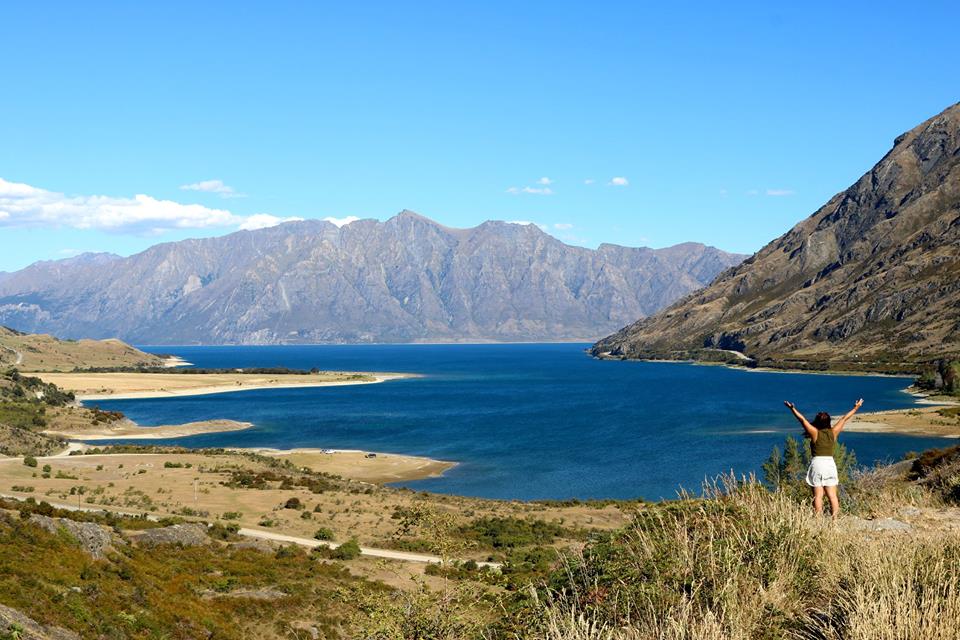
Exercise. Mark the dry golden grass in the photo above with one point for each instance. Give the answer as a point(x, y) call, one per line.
point(37, 352)
point(750, 564)
point(142, 483)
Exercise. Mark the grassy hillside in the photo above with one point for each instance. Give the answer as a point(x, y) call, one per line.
point(745, 560)
point(34, 352)
point(741, 562)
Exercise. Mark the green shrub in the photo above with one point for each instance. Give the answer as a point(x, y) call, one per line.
point(511, 533)
point(349, 550)
point(30, 461)
point(323, 533)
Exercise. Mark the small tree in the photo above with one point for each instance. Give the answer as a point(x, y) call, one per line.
point(323, 533)
point(788, 471)
point(30, 461)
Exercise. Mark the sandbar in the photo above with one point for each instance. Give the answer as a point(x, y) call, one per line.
point(129, 430)
point(351, 463)
point(127, 386)
point(924, 421)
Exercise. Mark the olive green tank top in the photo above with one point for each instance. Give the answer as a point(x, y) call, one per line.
point(824, 444)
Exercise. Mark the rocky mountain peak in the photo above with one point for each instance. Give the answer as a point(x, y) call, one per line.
point(406, 279)
point(871, 276)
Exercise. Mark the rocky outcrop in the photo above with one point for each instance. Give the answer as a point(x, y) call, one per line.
point(14, 624)
point(872, 277)
point(93, 538)
point(186, 535)
point(404, 280)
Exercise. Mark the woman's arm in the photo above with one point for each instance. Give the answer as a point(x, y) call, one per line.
point(842, 422)
point(809, 428)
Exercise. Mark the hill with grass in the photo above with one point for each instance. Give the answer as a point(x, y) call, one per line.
point(36, 352)
point(744, 560)
point(871, 280)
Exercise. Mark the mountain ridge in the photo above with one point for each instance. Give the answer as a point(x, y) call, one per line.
point(406, 279)
point(873, 276)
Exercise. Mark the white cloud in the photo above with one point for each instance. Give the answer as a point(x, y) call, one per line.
point(753, 192)
point(264, 220)
point(341, 221)
point(537, 191)
point(618, 181)
point(780, 192)
point(213, 186)
point(563, 226)
point(589, 181)
point(23, 205)
point(545, 181)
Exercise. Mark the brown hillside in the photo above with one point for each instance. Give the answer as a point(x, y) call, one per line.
point(871, 280)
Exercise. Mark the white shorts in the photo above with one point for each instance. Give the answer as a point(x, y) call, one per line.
point(823, 472)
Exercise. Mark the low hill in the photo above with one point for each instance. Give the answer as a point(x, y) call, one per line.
point(871, 280)
point(33, 352)
point(408, 279)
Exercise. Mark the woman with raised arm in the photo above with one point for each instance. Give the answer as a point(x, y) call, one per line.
point(822, 474)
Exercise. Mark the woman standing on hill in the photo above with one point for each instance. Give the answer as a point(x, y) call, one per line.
point(822, 474)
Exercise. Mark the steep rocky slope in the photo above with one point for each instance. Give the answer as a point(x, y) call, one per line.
point(871, 278)
point(406, 279)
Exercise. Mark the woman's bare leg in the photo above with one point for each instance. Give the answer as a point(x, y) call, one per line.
point(818, 500)
point(834, 501)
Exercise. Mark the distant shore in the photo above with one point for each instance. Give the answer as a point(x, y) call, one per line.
point(129, 430)
point(374, 467)
point(939, 420)
point(130, 386)
point(366, 466)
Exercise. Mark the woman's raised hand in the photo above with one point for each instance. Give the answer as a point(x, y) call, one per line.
point(789, 405)
point(858, 404)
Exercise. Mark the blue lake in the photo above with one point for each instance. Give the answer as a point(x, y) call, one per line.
point(531, 421)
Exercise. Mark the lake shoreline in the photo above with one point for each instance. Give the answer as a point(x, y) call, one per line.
point(88, 387)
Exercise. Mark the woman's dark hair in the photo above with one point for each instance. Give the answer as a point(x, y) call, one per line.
point(822, 421)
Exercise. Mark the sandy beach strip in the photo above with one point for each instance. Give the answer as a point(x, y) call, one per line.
point(936, 421)
point(129, 430)
point(129, 386)
point(373, 467)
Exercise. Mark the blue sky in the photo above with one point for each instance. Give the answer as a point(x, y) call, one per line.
point(723, 123)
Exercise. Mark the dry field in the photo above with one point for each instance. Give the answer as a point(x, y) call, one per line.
point(146, 483)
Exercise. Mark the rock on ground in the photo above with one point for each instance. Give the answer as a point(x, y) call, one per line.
point(256, 544)
point(187, 534)
point(881, 524)
point(29, 629)
point(93, 538)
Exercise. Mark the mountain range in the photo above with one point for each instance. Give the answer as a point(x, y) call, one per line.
point(408, 279)
point(872, 278)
